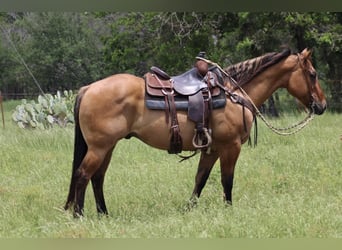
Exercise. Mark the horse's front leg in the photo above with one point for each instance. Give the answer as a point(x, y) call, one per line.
point(205, 166)
point(228, 159)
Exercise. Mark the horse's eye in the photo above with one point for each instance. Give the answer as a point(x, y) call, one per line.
point(313, 76)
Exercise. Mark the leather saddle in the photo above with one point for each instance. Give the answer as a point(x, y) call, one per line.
point(182, 86)
point(195, 91)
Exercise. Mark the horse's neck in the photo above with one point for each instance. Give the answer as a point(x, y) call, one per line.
point(264, 85)
point(259, 92)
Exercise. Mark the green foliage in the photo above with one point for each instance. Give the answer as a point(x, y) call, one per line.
point(48, 111)
point(169, 40)
point(72, 49)
point(59, 48)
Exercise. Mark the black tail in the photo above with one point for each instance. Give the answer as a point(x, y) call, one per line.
point(80, 150)
point(80, 146)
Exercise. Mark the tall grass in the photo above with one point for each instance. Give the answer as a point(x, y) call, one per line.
point(286, 187)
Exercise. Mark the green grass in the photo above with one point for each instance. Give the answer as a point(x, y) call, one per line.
point(286, 187)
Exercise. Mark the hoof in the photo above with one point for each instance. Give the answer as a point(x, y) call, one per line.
point(191, 204)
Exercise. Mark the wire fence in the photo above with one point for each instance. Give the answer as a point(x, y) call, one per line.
point(18, 96)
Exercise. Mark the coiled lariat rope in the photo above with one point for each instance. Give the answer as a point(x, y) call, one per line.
point(290, 130)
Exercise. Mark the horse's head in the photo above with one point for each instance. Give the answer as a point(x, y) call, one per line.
point(304, 85)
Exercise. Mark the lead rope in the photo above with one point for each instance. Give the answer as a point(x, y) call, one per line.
point(280, 131)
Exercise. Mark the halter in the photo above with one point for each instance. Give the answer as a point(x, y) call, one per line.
point(286, 131)
point(311, 103)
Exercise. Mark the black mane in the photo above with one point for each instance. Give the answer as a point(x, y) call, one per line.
point(244, 71)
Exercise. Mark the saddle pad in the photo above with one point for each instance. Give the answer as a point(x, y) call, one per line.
point(182, 102)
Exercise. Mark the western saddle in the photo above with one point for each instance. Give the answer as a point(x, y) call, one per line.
point(196, 91)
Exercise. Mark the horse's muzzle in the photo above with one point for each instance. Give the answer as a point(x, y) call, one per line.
point(319, 108)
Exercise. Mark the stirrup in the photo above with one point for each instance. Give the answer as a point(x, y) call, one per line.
point(208, 137)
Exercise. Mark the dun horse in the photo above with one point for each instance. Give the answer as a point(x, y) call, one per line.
point(114, 108)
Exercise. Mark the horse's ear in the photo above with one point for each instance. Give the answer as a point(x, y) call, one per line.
point(306, 53)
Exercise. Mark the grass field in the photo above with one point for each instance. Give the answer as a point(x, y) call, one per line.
point(286, 187)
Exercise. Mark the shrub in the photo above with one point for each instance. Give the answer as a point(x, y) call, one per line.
point(50, 110)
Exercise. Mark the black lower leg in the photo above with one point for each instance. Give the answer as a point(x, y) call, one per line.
point(97, 183)
point(227, 184)
point(79, 196)
point(71, 195)
point(201, 180)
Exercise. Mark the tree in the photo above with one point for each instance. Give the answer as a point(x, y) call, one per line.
point(68, 50)
point(329, 40)
point(61, 49)
point(323, 32)
point(168, 40)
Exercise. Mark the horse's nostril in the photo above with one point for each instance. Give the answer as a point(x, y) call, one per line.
point(319, 108)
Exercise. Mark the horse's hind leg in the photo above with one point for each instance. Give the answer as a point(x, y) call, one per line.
point(97, 182)
point(71, 195)
point(205, 166)
point(90, 164)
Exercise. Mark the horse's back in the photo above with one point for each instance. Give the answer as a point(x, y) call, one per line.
point(118, 85)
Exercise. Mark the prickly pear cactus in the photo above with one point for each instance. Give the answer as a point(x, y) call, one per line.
point(47, 112)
